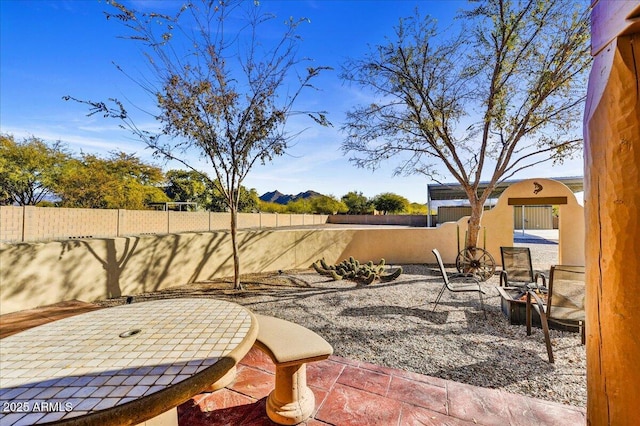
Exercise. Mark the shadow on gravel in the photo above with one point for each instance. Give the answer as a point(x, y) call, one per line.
point(426, 315)
point(497, 371)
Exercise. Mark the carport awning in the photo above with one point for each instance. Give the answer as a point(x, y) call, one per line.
point(454, 191)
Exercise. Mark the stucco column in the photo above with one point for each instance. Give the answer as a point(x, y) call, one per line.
point(612, 215)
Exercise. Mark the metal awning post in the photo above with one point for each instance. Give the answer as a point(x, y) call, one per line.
point(428, 208)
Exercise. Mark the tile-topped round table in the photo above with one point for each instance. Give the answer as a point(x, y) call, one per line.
point(121, 365)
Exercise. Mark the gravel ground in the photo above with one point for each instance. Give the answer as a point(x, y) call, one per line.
point(392, 324)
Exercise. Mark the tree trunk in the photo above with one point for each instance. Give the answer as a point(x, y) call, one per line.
point(473, 229)
point(237, 285)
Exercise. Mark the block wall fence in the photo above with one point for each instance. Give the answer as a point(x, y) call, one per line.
point(31, 224)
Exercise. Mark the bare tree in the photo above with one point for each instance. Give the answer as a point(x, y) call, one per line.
point(503, 95)
point(223, 91)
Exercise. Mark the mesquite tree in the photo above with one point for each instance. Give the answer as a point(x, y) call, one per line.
point(224, 88)
point(504, 94)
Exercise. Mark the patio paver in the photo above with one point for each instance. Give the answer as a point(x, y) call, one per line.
point(348, 392)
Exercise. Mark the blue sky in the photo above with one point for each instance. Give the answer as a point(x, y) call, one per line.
point(54, 48)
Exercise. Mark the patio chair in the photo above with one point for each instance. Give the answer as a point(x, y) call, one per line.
point(458, 283)
point(564, 304)
point(517, 270)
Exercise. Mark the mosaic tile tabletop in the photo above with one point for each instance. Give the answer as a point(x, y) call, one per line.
point(105, 358)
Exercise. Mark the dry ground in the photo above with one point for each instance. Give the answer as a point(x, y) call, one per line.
point(392, 324)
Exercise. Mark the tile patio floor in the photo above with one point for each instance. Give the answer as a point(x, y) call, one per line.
point(347, 392)
point(354, 393)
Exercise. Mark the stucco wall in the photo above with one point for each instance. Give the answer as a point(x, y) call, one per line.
point(499, 220)
point(36, 274)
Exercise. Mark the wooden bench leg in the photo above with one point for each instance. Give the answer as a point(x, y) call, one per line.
point(291, 402)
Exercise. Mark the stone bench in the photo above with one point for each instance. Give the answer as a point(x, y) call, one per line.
point(290, 346)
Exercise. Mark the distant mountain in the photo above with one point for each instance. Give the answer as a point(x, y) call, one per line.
point(280, 198)
point(272, 197)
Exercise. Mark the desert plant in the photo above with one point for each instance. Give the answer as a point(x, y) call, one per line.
point(352, 269)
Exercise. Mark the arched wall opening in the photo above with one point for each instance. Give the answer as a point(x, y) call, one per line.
point(499, 221)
